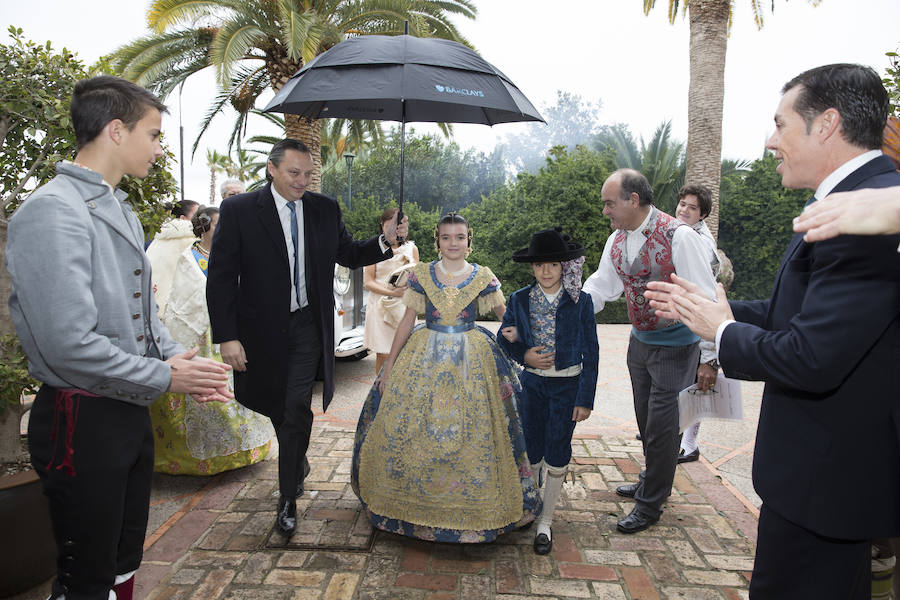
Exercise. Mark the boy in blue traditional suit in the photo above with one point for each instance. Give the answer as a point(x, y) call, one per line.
point(549, 327)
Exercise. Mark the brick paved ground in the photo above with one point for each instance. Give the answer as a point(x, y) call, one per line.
point(216, 547)
point(211, 538)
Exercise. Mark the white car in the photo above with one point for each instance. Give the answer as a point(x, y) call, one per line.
point(349, 324)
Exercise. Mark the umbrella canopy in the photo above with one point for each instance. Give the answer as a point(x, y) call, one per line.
point(403, 78)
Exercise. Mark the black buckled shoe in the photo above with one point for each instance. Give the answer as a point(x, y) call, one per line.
point(628, 490)
point(683, 458)
point(636, 521)
point(302, 479)
point(286, 519)
point(543, 543)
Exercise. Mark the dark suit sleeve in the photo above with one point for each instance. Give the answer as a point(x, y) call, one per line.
point(223, 273)
point(852, 297)
point(515, 350)
point(590, 354)
point(753, 311)
point(354, 254)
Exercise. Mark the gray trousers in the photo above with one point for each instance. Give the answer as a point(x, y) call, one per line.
point(658, 374)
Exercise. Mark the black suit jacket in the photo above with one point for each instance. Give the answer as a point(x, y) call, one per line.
point(249, 288)
point(827, 344)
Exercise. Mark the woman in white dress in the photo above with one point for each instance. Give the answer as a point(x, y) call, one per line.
point(385, 308)
point(194, 438)
point(173, 238)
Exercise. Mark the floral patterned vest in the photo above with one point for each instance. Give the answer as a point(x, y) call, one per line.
point(653, 263)
point(543, 318)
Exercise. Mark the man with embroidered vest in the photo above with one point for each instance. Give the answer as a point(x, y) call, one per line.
point(271, 303)
point(826, 343)
point(649, 245)
point(83, 307)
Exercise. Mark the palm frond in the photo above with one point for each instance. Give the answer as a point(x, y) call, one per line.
point(151, 60)
point(219, 101)
point(163, 14)
point(295, 27)
point(269, 140)
point(247, 78)
point(234, 42)
point(274, 118)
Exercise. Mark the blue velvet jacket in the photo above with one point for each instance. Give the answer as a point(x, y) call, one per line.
point(576, 337)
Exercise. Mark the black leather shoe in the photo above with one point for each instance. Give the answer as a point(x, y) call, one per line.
point(636, 521)
point(286, 520)
point(628, 490)
point(302, 479)
point(542, 543)
point(637, 436)
point(683, 458)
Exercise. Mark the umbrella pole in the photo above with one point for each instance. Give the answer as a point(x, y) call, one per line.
point(402, 146)
point(402, 164)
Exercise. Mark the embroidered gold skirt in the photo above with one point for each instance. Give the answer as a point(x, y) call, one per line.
point(441, 455)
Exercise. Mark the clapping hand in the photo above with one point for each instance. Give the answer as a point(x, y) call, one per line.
point(684, 300)
point(203, 378)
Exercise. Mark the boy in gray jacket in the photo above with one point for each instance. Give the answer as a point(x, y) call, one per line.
point(84, 310)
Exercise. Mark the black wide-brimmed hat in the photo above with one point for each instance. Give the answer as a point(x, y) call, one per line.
point(549, 245)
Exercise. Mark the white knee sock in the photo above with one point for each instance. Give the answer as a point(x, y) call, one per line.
point(552, 488)
point(689, 439)
point(536, 475)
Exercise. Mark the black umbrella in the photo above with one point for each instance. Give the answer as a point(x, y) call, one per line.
point(403, 78)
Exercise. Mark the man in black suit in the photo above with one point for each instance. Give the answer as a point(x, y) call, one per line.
point(271, 303)
point(827, 344)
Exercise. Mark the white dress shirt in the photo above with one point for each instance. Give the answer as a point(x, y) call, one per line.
point(690, 257)
point(284, 215)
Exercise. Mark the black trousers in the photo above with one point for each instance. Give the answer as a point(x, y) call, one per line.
point(304, 354)
point(95, 459)
point(797, 564)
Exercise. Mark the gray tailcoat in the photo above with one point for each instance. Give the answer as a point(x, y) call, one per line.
point(82, 302)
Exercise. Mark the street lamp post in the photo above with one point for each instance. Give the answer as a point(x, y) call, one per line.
point(357, 277)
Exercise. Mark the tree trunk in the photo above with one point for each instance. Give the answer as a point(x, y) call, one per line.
point(709, 40)
point(6, 325)
point(10, 439)
point(212, 185)
point(10, 448)
point(310, 133)
point(307, 131)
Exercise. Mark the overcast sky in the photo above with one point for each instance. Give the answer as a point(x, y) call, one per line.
point(602, 50)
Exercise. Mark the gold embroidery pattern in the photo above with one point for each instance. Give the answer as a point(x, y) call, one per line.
point(451, 300)
point(438, 452)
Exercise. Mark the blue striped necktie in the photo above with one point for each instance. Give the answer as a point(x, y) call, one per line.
point(295, 236)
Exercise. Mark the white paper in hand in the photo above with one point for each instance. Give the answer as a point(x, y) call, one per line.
point(723, 401)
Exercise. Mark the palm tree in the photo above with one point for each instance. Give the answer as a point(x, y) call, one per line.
point(709, 24)
point(661, 160)
point(339, 136)
point(217, 164)
point(260, 44)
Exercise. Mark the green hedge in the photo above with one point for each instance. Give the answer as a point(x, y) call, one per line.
point(614, 313)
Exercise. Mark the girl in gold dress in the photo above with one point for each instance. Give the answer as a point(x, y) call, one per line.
point(439, 452)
